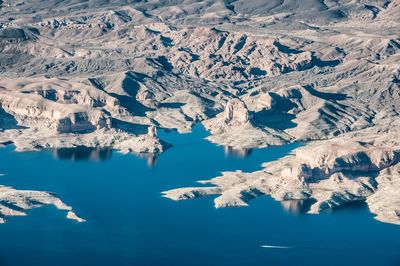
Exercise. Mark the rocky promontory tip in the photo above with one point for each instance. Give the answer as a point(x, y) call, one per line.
point(16, 202)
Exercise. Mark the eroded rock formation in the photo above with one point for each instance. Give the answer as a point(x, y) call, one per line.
point(234, 128)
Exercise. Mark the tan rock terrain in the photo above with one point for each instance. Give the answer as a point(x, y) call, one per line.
point(255, 73)
point(16, 202)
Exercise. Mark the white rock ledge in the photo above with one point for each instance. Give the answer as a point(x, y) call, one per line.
point(15, 202)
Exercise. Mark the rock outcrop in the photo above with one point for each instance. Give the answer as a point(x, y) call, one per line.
point(152, 132)
point(236, 113)
point(148, 143)
point(234, 128)
point(54, 114)
point(59, 109)
point(385, 202)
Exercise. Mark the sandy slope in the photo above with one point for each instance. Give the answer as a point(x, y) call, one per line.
point(96, 73)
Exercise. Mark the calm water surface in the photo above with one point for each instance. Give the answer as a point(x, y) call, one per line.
point(129, 223)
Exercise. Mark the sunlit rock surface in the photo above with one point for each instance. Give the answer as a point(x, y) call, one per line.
point(234, 128)
point(15, 202)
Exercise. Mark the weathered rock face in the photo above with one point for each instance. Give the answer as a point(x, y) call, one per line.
point(385, 202)
point(147, 98)
point(234, 128)
point(236, 113)
point(16, 202)
point(14, 35)
point(81, 122)
point(152, 132)
point(77, 116)
point(267, 101)
point(33, 110)
point(82, 95)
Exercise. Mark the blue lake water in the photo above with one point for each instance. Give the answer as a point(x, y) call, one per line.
point(129, 223)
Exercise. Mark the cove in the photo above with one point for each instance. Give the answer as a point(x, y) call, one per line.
point(129, 223)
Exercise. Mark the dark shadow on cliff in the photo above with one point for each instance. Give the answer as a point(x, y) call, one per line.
point(324, 63)
point(275, 119)
point(325, 95)
point(7, 121)
point(172, 105)
point(350, 207)
point(137, 129)
point(285, 49)
point(131, 87)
